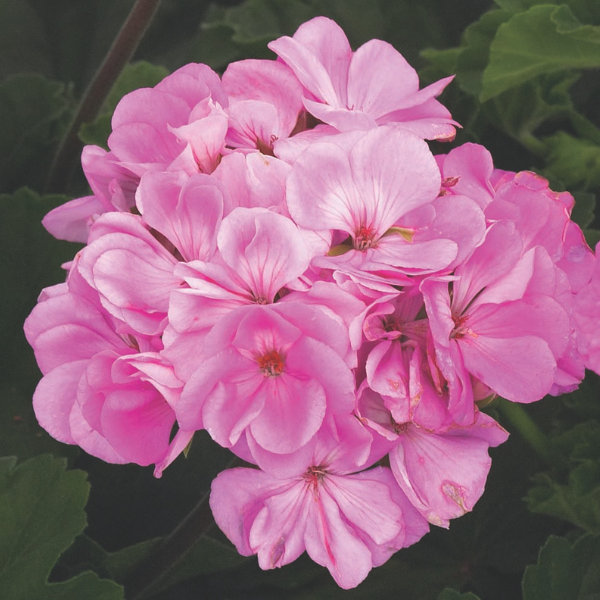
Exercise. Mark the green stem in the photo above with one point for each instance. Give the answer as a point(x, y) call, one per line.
point(148, 576)
point(118, 56)
point(516, 415)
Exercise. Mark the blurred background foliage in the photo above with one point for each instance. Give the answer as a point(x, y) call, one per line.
point(72, 527)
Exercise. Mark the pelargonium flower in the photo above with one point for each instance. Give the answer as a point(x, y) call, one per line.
point(110, 393)
point(271, 372)
point(348, 522)
point(363, 89)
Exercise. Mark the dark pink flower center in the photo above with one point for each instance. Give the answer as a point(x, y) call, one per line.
point(271, 364)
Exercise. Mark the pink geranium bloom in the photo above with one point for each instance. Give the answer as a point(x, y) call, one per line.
point(187, 211)
point(273, 372)
point(110, 394)
point(113, 189)
point(259, 253)
point(131, 271)
point(253, 180)
point(467, 171)
point(265, 101)
point(494, 324)
point(362, 187)
point(363, 89)
point(442, 473)
point(180, 124)
point(348, 522)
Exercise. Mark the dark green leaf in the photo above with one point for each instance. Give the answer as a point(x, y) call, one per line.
point(86, 585)
point(592, 237)
point(33, 114)
point(565, 572)
point(41, 513)
point(474, 58)
point(544, 39)
point(577, 501)
point(520, 111)
point(213, 45)
point(583, 211)
point(573, 161)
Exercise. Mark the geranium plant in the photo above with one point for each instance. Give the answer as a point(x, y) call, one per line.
point(302, 262)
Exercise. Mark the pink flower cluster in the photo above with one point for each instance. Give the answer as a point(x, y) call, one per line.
point(278, 258)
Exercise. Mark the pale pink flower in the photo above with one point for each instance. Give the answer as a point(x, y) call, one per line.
point(180, 124)
point(265, 101)
point(110, 393)
point(273, 372)
point(113, 189)
point(362, 188)
point(363, 89)
point(494, 323)
point(587, 319)
point(348, 522)
point(441, 472)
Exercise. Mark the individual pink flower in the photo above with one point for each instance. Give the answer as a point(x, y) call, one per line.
point(348, 522)
point(272, 372)
point(180, 124)
point(443, 472)
point(363, 89)
point(362, 187)
point(494, 323)
point(111, 394)
point(265, 101)
point(467, 171)
point(131, 271)
point(113, 189)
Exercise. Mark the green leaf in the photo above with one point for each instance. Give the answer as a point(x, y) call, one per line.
point(565, 572)
point(573, 161)
point(257, 22)
point(577, 501)
point(519, 112)
point(41, 513)
point(213, 45)
point(544, 39)
point(86, 585)
point(206, 556)
point(133, 76)
point(450, 594)
point(34, 112)
point(474, 58)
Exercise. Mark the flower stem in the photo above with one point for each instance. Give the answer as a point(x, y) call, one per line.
point(148, 576)
point(118, 56)
point(530, 432)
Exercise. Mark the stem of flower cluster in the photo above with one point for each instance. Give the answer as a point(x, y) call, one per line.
point(530, 432)
point(118, 56)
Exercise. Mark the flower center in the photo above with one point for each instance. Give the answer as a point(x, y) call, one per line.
point(461, 328)
point(314, 475)
point(271, 364)
point(364, 238)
